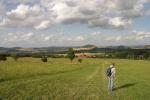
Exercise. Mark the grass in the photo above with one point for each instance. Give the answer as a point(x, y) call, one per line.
point(31, 79)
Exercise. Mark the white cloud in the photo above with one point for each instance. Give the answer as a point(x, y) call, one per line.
point(119, 22)
point(34, 39)
point(43, 25)
point(47, 38)
point(142, 35)
point(95, 33)
point(79, 38)
point(131, 36)
point(28, 17)
point(113, 38)
point(100, 38)
point(4, 22)
point(18, 37)
point(73, 39)
point(19, 13)
point(28, 36)
point(42, 14)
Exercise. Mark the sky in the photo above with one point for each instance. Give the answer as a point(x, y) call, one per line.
point(42, 23)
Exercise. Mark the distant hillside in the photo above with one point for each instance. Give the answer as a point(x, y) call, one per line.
point(141, 47)
point(56, 50)
point(88, 46)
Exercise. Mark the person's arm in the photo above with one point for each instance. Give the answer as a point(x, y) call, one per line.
point(114, 73)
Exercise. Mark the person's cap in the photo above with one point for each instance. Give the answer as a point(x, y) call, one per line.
point(111, 65)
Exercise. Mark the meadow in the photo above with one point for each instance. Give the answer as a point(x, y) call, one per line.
point(59, 79)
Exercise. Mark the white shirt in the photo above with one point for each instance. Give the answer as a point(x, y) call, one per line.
point(113, 71)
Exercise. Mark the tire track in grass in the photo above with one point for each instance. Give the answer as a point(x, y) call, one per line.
point(93, 74)
point(104, 94)
point(89, 87)
point(98, 79)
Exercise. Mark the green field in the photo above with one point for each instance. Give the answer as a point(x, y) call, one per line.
point(58, 79)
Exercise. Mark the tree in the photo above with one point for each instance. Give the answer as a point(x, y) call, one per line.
point(3, 57)
point(44, 59)
point(71, 54)
point(15, 56)
point(80, 60)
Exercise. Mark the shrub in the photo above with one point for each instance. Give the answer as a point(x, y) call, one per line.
point(80, 60)
point(44, 59)
point(3, 58)
point(15, 56)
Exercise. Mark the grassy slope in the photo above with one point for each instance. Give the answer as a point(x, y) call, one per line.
point(60, 80)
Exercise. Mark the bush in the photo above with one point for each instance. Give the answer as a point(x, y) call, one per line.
point(15, 56)
point(3, 57)
point(44, 59)
point(80, 60)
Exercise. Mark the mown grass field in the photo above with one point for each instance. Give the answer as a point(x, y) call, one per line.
point(58, 79)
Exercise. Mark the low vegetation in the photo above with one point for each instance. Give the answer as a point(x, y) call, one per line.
point(15, 56)
point(58, 79)
point(71, 54)
point(3, 57)
point(80, 60)
point(44, 58)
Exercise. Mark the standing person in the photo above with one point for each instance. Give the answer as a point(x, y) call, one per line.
point(111, 71)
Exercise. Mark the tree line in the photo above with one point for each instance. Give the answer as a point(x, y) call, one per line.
point(143, 54)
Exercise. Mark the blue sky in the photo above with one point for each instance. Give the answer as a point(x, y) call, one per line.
point(40, 23)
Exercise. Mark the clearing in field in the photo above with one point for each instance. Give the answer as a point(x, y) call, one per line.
point(58, 79)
